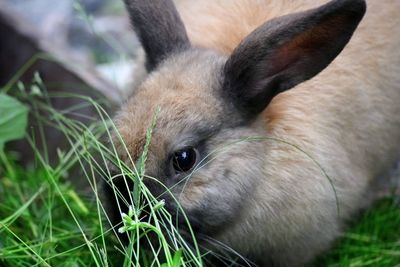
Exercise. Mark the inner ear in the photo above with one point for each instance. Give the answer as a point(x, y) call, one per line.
point(287, 51)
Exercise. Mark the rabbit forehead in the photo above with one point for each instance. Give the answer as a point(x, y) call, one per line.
point(184, 90)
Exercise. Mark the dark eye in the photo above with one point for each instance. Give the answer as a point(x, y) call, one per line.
point(184, 159)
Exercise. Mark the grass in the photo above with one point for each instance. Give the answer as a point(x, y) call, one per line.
point(46, 221)
point(373, 241)
point(38, 229)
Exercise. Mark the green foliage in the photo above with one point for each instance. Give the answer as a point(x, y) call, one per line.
point(374, 241)
point(13, 119)
point(45, 223)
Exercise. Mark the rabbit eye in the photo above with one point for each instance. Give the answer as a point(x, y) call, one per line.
point(184, 159)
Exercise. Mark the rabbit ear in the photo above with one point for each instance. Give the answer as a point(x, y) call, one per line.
point(287, 51)
point(159, 28)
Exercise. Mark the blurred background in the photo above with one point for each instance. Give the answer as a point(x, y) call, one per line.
point(77, 48)
point(91, 38)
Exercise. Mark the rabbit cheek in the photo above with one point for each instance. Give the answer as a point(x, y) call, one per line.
point(210, 209)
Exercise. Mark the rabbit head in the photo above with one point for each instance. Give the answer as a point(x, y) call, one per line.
point(210, 104)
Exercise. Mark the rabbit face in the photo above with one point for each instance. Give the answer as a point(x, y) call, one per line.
point(222, 169)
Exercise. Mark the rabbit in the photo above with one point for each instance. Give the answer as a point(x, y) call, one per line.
point(300, 99)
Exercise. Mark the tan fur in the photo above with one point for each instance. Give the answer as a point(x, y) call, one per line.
point(222, 24)
point(180, 95)
point(346, 119)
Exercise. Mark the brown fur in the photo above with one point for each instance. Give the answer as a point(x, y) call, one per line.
point(225, 23)
point(280, 206)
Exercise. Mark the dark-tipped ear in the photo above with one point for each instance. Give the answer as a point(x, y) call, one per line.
point(159, 28)
point(287, 51)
